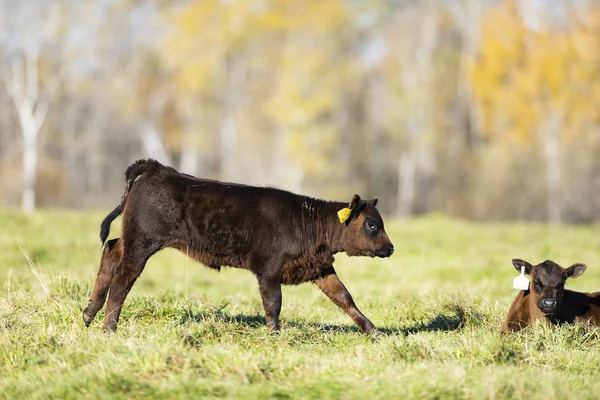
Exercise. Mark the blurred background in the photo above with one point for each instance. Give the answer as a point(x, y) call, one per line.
point(481, 109)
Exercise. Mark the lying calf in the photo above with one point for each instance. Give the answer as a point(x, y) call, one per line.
point(547, 300)
point(281, 237)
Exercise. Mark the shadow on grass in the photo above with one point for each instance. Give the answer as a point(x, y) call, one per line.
point(258, 321)
point(250, 321)
point(450, 320)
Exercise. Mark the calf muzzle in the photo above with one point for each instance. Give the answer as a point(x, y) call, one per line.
point(385, 251)
point(547, 305)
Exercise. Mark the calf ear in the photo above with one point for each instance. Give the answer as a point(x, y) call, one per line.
point(575, 270)
point(375, 200)
point(354, 203)
point(520, 263)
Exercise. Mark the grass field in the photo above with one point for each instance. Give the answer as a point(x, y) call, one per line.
point(190, 332)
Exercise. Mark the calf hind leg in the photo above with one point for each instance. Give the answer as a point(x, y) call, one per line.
point(111, 257)
point(333, 288)
point(124, 276)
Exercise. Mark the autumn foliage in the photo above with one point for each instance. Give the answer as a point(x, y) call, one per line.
point(480, 109)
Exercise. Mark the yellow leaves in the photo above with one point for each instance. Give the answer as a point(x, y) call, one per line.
point(196, 17)
point(307, 147)
point(297, 59)
point(502, 47)
point(305, 90)
point(204, 33)
point(273, 20)
point(521, 76)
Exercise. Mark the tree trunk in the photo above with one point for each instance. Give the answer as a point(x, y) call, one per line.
point(153, 145)
point(407, 180)
point(279, 156)
point(70, 150)
point(29, 164)
point(228, 145)
point(417, 161)
point(467, 15)
point(228, 137)
point(551, 139)
point(189, 154)
point(32, 107)
point(95, 156)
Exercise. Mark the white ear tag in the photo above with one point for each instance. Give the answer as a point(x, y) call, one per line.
point(521, 282)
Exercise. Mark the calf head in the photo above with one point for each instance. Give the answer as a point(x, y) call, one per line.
point(548, 282)
point(364, 234)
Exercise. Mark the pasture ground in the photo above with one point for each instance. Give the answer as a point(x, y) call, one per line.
point(190, 332)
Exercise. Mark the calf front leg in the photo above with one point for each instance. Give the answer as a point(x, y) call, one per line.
point(270, 291)
point(333, 288)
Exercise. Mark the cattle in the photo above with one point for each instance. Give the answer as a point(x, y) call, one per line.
point(281, 237)
point(547, 301)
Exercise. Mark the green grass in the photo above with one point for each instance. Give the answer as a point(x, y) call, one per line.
point(190, 332)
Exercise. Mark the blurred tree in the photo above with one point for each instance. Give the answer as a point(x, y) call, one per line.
point(410, 74)
point(206, 53)
point(535, 86)
point(30, 33)
point(288, 60)
point(467, 17)
point(429, 106)
point(316, 74)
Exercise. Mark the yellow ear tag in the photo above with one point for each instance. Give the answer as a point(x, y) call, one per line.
point(344, 214)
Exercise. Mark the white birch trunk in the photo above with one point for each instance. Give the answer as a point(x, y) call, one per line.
point(417, 80)
point(551, 140)
point(228, 145)
point(30, 133)
point(228, 135)
point(407, 174)
point(189, 155)
point(467, 15)
point(32, 108)
point(152, 143)
point(94, 160)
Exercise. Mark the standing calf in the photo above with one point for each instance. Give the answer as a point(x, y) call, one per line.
point(283, 238)
point(547, 300)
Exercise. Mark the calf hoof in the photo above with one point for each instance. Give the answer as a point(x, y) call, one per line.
point(274, 326)
point(368, 327)
point(376, 334)
point(87, 320)
point(109, 329)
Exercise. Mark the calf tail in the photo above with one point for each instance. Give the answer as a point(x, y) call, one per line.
point(105, 225)
point(133, 172)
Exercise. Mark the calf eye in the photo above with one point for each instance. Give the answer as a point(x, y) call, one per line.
point(371, 226)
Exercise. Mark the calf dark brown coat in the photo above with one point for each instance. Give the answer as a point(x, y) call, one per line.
point(547, 301)
point(283, 238)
